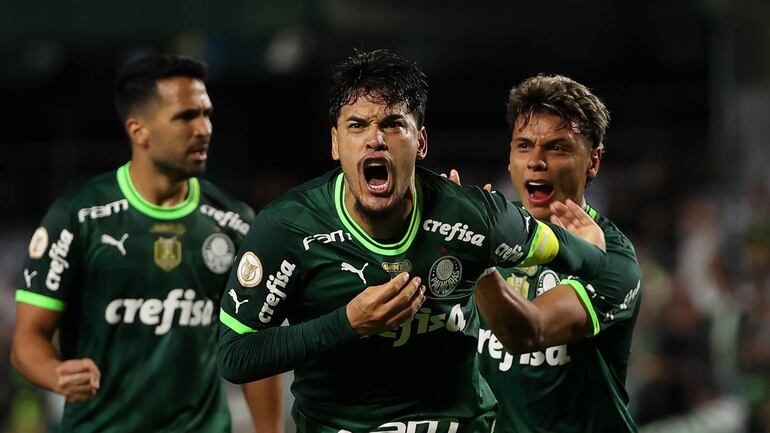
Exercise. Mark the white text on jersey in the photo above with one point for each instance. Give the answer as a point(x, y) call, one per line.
point(459, 229)
point(193, 312)
point(553, 356)
point(58, 254)
point(424, 321)
point(280, 279)
point(338, 236)
point(102, 211)
point(226, 219)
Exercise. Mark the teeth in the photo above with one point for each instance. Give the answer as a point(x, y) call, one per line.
point(374, 164)
point(537, 183)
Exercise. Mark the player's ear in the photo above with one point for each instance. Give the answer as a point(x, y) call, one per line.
point(594, 162)
point(422, 143)
point(335, 145)
point(137, 131)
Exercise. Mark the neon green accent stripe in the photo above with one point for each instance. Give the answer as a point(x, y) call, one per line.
point(152, 210)
point(233, 323)
point(38, 300)
point(591, 211)
point(581, 291)
point(372, 245)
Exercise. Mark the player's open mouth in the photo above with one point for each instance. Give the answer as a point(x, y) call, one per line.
point(200, 153)
point(538, 192)
point(376, 175)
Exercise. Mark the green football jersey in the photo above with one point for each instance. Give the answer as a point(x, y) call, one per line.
point(577, 387)
point(306, 258)
point(138, 287)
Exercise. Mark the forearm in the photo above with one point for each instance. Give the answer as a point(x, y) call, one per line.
point(517, 323)
point(265, 400)
point(36, 358)
point(267, 352)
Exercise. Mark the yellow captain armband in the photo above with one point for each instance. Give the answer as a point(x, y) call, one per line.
point(544, 246)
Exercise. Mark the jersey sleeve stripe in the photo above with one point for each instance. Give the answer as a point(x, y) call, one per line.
point(581, 291)
point(38, 300)
point(544, 247)
point(233, 323)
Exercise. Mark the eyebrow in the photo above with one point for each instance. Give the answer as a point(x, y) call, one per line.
point(388, 118)
point(193, 112)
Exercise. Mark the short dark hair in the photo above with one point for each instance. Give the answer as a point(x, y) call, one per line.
point(137, 81)
point(572, 101)
point(381, 74)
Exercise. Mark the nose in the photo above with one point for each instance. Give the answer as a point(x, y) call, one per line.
point(203, 127)
point(376, 139)
point(537, 160)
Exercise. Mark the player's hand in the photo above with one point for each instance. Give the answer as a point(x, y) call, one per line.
point(78, 379)
point(454, 176)
point(573, 218)
point(383, 308)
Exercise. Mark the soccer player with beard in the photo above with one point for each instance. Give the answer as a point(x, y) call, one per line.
point(558, 356)
point(130, 268)
point(374, 265)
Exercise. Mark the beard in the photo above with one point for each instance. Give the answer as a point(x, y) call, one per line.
point(386, 216)
point(179, 171)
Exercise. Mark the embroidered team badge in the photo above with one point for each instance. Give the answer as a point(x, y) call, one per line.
point(167, 253)
point(249, 270)
point(218, 252)
point(547, 281)
point(39, 243)
point(445, 275)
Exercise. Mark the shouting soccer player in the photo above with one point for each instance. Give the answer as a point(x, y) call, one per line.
point(130, 269)
point(567, 350)
point(381, 250)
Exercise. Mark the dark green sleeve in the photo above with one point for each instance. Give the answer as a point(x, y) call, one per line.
point(518, 239)
point(256, 355)
point(576, 256)
point(263, 287)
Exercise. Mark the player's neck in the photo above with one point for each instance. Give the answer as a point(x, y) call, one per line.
point(156, 187)
point(386, 227)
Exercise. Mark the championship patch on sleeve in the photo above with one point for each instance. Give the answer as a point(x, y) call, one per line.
point(249, 270)
point(39, 243)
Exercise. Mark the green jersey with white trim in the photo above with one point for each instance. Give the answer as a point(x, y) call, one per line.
point(138, 287)
point(577, 387)
point(306, 258)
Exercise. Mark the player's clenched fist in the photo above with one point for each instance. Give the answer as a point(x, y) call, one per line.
point(383, 308)
point(78, 379)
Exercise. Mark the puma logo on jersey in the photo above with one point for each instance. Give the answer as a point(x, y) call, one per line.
point(348, 267)
point(109, 240)
point(28, 277)
point(235, 299)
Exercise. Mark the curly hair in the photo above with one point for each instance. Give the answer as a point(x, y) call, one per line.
point(572, 101)
point(383, 76)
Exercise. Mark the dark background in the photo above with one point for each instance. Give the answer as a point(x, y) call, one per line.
point(687, 84)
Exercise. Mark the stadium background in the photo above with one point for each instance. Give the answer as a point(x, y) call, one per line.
point(687, 83)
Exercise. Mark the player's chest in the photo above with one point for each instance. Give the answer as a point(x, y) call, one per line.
point(339, 267)
point(128, 251)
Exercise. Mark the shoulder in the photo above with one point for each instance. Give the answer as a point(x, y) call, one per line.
point(312, 199)
point(214, 197)
point(98, 197)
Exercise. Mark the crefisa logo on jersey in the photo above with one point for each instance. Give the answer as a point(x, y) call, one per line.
point(249, 270)
point(445, 275)
point(38, 243)
point(167, 253)
point(58, 254)
point(218, 252)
